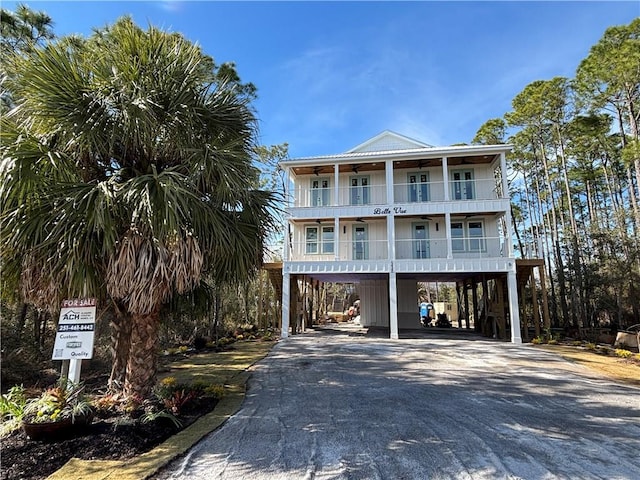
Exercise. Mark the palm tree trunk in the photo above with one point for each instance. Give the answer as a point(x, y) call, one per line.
point(120, 342)
point(142, 364)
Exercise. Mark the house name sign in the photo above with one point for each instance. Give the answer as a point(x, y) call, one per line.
point(389, 211)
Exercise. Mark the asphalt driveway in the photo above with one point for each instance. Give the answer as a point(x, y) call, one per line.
point(344, 406)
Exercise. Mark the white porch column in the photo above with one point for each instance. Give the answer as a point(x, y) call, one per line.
point(286, 300)
point(393, 307)
point(336, 238)
point(445, 178)
point(508, 250)
point(391, 227)
point(388, 172)
point(288, 194)
point(336, 184)
point(507, 214)
point(391, 239)
point(514, 312)
point(447, 226)
point(287, 243)
point(503, 172)
point(287, 201)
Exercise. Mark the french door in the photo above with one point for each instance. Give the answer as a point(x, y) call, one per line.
point(463, 185)
point(319, 192)
point(418, 187)
point(360, 242)
point(421, 240)
point(359, 190)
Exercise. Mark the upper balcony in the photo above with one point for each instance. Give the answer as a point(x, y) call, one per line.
point(319, 193)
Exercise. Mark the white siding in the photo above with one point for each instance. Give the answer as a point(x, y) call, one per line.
point(408, 304)
point(374, 303)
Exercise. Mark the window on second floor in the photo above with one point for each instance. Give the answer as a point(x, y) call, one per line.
point(327, 239)
point(319, 240)
point(468, 236)
point(476, 237)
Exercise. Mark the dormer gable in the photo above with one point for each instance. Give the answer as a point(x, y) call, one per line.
point(386, 141)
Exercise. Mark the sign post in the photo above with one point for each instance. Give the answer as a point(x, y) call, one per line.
point(75, 335)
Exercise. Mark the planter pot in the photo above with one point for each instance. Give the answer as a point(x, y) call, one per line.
point(52, 431)
point(48, 431)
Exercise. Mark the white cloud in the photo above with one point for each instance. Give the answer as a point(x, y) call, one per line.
point(171, 5)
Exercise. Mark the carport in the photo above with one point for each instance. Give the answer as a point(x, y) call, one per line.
point(482, 299)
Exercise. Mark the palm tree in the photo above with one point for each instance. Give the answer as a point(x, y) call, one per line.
point(127, 174)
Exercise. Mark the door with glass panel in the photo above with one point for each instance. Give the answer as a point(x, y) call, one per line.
point(359, 190)
point(319, 192)
point(418, 187)
point(360, 242)
point(457, 236)
point(463, 185)
point(420, 240)
point(476, 237)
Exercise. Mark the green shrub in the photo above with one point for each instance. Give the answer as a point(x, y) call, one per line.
point(152, 416)
point(12, 407)
point(217, 391)
point(591, 346)
point(537, 340)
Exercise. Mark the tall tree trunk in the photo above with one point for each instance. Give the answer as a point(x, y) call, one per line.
point(120, 342)
point(632, 190)
point(21, 318)
point(143, 356)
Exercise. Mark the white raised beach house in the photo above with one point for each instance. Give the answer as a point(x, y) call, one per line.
point(394, 211)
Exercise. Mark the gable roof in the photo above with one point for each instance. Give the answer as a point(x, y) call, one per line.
point(388, 140)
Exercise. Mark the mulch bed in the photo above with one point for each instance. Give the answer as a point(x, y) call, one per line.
point(115, 438)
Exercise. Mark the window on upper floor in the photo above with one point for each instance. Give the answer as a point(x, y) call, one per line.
point(327, 240)
point(311, 234)
point(468, 236)
point(476, 236)
point(319, 240)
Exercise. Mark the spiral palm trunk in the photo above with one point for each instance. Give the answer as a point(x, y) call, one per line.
point(142, 364)
point(120, 342)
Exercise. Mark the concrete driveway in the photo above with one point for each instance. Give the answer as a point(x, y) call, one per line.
point(344, 406)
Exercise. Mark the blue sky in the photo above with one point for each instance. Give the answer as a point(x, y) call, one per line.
point(331, 75)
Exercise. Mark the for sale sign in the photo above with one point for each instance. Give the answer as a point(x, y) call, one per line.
point(76, 327)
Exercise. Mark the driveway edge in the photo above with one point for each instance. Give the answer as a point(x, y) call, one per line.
point(149, 463)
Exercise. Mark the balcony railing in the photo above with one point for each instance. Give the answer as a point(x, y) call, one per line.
point(462, 247)
point(434, 191)
point(406, 249)
point(344, 251)
point(376, 194)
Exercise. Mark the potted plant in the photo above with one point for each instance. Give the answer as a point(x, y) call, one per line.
point(57, 413)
